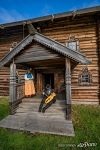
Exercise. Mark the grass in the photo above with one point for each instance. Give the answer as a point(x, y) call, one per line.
point(86, 120)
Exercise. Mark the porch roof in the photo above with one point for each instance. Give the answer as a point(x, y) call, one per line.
point(44, 40)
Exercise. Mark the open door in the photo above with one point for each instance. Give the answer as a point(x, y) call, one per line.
point(48, 78)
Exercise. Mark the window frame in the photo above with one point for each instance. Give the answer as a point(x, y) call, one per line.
point(85, 72)
point(75, 43)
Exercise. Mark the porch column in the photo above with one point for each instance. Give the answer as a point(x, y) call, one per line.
point(68, 87)
point(12, 89)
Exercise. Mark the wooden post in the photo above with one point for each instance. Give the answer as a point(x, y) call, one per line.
point(56, 81)
point(12, 89)
point(68, 87)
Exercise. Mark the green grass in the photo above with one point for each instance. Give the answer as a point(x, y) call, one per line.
point(86, 120)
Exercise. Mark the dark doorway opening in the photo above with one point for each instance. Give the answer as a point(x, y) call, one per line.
point(48, 78)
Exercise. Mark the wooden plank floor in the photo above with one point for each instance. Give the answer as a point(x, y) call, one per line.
point(27, 118)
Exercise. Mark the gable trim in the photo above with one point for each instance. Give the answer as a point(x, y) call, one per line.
point(16, 50)
point(54, 45)
point(60, 48)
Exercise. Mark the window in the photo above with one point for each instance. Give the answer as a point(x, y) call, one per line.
point(73, 43)
point(85, 78)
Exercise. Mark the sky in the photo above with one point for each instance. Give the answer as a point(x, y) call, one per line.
point(16, 10)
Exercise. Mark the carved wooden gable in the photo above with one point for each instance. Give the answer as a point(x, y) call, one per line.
point(36, 52)
point(51, 44)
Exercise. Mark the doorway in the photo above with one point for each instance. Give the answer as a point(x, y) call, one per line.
point(48, 78)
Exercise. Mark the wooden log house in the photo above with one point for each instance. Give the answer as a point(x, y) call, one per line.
point(62, 49)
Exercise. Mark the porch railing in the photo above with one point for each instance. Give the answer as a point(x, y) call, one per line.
point(20, 91)
point(18, 95)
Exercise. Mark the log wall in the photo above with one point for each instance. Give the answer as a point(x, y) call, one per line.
point(98, 49)
point(7, 37)
point(85, 29)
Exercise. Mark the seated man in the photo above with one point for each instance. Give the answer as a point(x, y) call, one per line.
point(49, 97)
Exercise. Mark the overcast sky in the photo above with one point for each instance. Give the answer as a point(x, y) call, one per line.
point(14, 10)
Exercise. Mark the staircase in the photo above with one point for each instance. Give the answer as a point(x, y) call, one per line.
point(27, 118)
point(31, 105)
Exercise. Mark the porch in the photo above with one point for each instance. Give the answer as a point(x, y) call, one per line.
point(27, 118)
point(45, 72)
point(41, 54)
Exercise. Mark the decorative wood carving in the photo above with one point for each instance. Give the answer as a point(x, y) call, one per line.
point(12, 92)
point(16, 50)
point(54, 45)
point(31, 28)
point(60, 48)
point(68, 87)
point(85, 77)
point(73, 43)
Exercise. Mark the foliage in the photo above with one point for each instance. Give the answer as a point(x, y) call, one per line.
point(86, 120)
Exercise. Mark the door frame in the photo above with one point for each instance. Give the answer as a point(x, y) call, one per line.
point(43, 78)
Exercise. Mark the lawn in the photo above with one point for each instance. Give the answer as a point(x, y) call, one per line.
point(86, 120)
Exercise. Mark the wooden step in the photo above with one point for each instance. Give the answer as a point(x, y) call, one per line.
point(46, 114)
point(35, 106)
point(52, 110)
point(31, 105)
point(26, 100)
point(28, 105)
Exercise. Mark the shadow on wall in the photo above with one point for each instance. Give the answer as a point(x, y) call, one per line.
point(98, 50)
